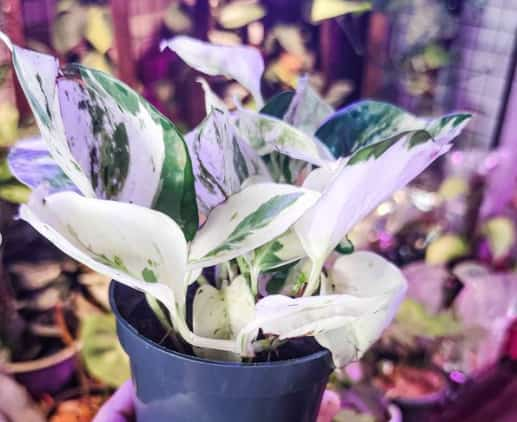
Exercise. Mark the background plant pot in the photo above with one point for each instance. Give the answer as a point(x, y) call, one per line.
point(48, 374)
point(174, 387)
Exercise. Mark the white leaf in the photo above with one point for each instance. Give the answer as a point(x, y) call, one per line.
point(122, 152)
point(368, 290)
point(242, 63)
point(247, 220)
point(222, 314)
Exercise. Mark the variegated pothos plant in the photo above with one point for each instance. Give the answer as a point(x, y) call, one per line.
point(118, 188)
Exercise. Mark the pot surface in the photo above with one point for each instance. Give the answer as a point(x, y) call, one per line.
point(175, 387)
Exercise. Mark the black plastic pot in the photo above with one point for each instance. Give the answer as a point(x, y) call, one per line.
point(175, 387)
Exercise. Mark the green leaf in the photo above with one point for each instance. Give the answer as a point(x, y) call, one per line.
point(248, 220)
point(413, 320)
point(9, 117)
point(98, 30)
point(501, 234)
point(101, 351)
point(278, 105)
point(68, 29)
point(345, 247)
point(277, 253)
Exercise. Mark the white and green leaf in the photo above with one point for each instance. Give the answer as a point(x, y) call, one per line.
point(247, 220)
point(37, 74)
point(114, 239)
point(242, 63)
point(221, 160)
point(281, 251)
point(367, 291)
point(353, 187)
point(365, 123)
point(107, 139)
point(267, 134)
point(130, 151)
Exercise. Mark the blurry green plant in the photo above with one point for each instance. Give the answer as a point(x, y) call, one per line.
point(101, 351)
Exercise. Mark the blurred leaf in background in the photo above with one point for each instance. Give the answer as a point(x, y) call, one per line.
point(68, 28)
point(177, 20)
point(9, 118)
point(98, 30)
point(103, 355)
point(328, 9)
point(240, 13)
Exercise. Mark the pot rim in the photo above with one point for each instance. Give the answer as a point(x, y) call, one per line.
point(197, 360)
point(62, 355)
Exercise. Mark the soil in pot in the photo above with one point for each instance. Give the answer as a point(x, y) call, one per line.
point(180, 387)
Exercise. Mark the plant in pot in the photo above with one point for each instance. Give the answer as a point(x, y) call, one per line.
point(253, 313)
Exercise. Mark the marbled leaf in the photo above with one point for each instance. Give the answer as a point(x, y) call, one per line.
point(364, 123)
point(248, 220)
point(37, 74)
point(221, 160)
point(129, 150)
point(142, 248)
point(267, 134)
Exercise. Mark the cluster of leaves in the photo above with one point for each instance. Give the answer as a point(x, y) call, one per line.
point(277, 189)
